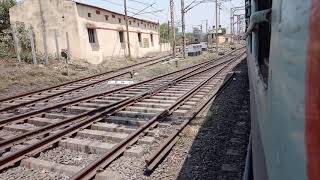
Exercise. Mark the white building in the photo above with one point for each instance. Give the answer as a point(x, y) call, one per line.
point(93, 33)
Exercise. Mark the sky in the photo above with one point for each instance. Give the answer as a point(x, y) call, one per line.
point(194, 17)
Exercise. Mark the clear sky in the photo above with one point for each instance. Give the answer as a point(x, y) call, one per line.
point(194, 17)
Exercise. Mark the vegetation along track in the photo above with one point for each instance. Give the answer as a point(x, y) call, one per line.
point(120, 121)
point(33, 100)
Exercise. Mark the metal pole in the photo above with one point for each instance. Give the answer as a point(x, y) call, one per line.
point(127, 27)
point(69, 53)
point(217, 27)
point(57, 45)
point(68, 46)
point(33, 49)
point(16, 41)
point(173, 30)
point(183, 29)
point(238, 27)
point(44, 34)
point(207, 26)
point(219, 7)
point(231, 24)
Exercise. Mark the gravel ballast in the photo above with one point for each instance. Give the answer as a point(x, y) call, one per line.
point(219, 149)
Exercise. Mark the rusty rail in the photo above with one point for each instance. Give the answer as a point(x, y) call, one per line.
point(76, 88)
point(79, 80)
point(52, 139)
point(154, 160)
point(46, 129)
point(37, 112)
point(91, 170)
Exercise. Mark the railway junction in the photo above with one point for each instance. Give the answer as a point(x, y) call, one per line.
point(132, 131)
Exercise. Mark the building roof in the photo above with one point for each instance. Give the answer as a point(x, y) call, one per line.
point(82, 2)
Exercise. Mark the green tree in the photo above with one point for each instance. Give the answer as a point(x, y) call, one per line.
point(165, 32)
point(5, 5)
point(224, 31)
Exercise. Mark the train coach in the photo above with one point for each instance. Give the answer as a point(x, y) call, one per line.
point(283, 47)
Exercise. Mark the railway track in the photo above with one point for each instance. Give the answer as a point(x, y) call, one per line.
point(70, 90)
point(122, 122)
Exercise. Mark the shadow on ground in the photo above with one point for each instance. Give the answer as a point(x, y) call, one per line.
point(219, 150)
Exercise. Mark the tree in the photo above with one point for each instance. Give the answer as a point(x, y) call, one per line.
point(164, 32)
point(5, 5)
point(224, 31)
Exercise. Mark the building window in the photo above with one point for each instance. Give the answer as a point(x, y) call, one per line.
point(151, 38)
point(106, 17)
point(138, 24)
point(92, 36)
point(121, 36)
point(145, 26)
point(130, 23)
point(97, 12)
point(119, 20)
point(113, 16)
point(89, 15)
point(140, 39)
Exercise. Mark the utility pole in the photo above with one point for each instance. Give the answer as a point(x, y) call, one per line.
point(173, 29)
point(183, 29)
point(207, 33)
point(200, 33)
point(231, 24)
point(238, 27)
point(44, 34)
point(219, 19)
point(207, 26)
point(217, 27)
point(127, 27)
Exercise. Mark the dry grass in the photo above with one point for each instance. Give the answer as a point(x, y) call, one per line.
point(17, 79)
point(20, 78)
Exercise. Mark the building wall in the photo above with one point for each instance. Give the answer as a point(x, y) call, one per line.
point(107, 35)
point(61, 17)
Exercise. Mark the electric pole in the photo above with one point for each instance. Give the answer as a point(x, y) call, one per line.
point(231, 24)
point(127, 27)
point(173, 29)
point(219, 19)
point(207, 26)
point(44, 34)
point(183, 29)
point(217, 27)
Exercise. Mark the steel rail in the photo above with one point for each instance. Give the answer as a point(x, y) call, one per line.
point(52, 139)
point(4, 145)
point(90, 171)
point(157, 156)
point(37, 112)
point(73, 89)
point(90, 77)
point(79, 80)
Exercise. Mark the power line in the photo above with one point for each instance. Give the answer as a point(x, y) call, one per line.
point(135, 9)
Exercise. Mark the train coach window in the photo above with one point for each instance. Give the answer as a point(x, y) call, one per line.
point(264, 38)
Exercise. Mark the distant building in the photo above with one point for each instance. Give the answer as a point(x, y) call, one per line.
point(94, 33)
point(226, 38)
